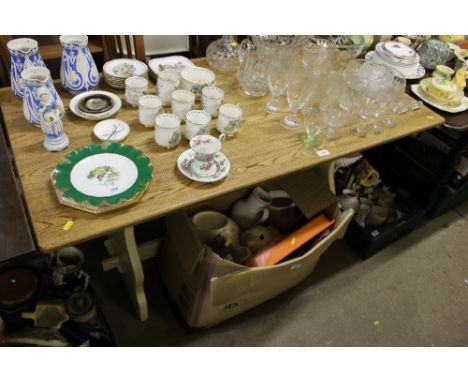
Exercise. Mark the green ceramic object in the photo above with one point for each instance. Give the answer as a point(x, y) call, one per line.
point(102, 177)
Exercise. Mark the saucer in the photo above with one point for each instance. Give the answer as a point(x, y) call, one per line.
point(95, 104)
point(185, 162)
point(75, 102)
point(416, 89)
point(111, 130)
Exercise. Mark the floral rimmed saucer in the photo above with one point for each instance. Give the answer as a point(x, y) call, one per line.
point(185, 163)
point(102, 177)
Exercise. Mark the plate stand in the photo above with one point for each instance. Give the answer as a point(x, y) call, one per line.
point(127, 257)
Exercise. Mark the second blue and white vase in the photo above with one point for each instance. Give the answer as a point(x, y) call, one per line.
point(78, 72)
point(39, 94)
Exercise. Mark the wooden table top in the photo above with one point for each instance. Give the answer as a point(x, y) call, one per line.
point(262, 151)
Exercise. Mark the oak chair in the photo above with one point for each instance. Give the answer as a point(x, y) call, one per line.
point(123, 47)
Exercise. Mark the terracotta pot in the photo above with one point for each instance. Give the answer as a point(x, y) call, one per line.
point(284, 214)
point(259, 237)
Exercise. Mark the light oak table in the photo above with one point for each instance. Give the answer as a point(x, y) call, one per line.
point(262, 151)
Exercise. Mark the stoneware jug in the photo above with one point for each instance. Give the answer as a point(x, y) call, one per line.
point(39, 93)
point(78, 72)
point(52, 126)
point(24, 54)
point(253, 210)
point(209, 224)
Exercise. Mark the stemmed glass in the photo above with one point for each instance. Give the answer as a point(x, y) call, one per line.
point(278, 77)
point(312, 126)
point(297, 93)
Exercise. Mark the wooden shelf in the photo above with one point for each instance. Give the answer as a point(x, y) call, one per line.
point(55, 50)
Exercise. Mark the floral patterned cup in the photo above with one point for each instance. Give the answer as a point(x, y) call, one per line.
point(182, 102)
point(229, 119)
point(212, 98)
point(197, 123)
point(135, 87)
point(168, 81)
point(205, 148)
point(149, 106)
point(167, 131)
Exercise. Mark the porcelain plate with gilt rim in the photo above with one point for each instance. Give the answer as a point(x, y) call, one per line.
point(102, 177)
point(96, 116)
point(416, 89)
point(172, 62)
point(185, 161)
point(420, 71)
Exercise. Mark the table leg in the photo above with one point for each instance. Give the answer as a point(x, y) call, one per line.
point(126, 256)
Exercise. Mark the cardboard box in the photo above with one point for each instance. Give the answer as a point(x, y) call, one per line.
point(208, 289)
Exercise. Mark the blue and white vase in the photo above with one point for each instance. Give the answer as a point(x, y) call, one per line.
point(78, 72)
point(24, 54)
point(39, 93)
point(52, 126)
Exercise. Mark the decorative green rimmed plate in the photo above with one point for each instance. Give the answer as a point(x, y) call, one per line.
point(102, 177)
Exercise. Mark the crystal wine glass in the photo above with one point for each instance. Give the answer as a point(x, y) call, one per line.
point(297, 93)
point(278, 77)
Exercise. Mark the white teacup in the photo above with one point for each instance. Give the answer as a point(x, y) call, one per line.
point(168, 81)
point(195, 79)
point(229, 119)
point(182, 102)
point(149, 106)
point(197, 123)
point(167, 130)
point(135, 87)
point(205, 148)
point(212, 99)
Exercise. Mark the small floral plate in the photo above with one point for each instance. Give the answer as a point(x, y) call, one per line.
point(185, 163)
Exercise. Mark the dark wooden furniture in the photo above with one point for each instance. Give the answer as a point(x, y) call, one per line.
point(15, 235)
point(125, 46)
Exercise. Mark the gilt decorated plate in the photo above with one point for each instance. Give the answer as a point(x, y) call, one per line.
point(102, 177)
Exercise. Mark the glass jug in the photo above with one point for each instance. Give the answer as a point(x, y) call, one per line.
point(252, 73)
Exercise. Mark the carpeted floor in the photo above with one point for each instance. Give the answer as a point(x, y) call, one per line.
point(413, 293)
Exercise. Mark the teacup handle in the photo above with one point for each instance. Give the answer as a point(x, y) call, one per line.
point(222, 137)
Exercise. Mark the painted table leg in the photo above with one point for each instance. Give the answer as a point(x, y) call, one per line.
point(122, 246)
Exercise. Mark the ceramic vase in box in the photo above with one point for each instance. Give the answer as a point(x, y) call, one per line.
point(24, 54)
point(78, 72)
point(38, 94)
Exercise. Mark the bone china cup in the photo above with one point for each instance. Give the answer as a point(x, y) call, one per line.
point(135, 87)
point(167, 130)
point(168, 81)
point(229, 119)
point(182, 102)
point(149, 106)
point(205, 148)
point(197, 123)
point(195, 79)
point(212, 99)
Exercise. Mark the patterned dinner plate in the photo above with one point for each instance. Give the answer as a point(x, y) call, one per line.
point(172, 62)
point(185, 165)
point(102, 177)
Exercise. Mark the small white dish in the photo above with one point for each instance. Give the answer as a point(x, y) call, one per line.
point(450, 109)
point(111, 130)
point(185, 162)
point(409, 75)
point(172, 62)
point(98, 116)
